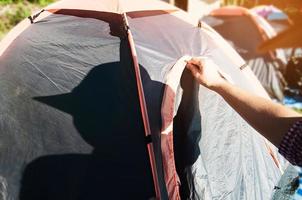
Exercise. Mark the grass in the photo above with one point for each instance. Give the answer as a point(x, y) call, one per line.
point(298, 110)
point(37, 2)
point(13, 11)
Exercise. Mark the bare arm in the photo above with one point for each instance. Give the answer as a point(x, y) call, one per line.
point(270, 119)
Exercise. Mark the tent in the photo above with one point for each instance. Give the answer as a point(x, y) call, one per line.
point(96, 104)
point(289, 38)
point(245, 31)
point(270, 12)
point(274, 16)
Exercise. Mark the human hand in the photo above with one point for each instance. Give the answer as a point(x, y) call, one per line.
point(205, 72)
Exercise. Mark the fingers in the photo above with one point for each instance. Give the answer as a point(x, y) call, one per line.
point(195, 70)
point(195, 61)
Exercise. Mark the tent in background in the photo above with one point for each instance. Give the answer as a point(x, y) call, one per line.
point(274, 16)
point(245, 31)
point(290, 38)
point(84, 84)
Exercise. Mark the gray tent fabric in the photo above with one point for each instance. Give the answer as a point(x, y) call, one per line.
point(224, 158)
point(88, 141)
point(269, 77)
point(286, 187)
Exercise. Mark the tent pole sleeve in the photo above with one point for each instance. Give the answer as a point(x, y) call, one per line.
point(144, 110)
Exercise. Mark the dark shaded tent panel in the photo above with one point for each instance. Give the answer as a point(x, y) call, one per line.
point(71, 126)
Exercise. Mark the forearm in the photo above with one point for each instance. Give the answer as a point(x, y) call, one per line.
point(270, 119)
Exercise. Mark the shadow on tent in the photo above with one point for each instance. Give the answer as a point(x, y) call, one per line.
point(105, 113)
point(107, 116)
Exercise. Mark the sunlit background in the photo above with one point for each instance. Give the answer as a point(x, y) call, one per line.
point(13, 11)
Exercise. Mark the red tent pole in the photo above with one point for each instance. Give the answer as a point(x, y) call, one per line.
point(144, 110)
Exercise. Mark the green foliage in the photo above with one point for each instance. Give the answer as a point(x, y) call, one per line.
point(13, 11)
point(298, 110)
point(19, 14)
point(38, 2)
point(13, 16)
